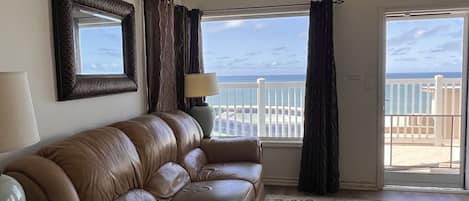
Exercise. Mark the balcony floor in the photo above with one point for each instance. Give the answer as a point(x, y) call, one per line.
point(422, 159)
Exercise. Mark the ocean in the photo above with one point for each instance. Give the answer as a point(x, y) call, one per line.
point(302, 78)
point(268, 78)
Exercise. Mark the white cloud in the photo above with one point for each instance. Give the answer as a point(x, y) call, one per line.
point(419, 33)
point(233, 24)
point(260, 26)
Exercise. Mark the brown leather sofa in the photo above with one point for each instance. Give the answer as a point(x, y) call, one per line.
point(153, 157)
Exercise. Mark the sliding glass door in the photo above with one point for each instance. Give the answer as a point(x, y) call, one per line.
point(425, 104)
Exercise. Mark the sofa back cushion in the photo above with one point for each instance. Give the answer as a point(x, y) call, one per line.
point(102, 164)
point(186, 130)
point(154, 141)
point(156, 145)
point(43, 181)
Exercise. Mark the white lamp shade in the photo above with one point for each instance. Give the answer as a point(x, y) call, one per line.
point(200, 85)
point(18, 127)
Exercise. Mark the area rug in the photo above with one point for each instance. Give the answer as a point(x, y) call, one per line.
point(305, 198)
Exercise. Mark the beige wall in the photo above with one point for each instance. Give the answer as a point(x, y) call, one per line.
point(357, 33)
point(26, 44)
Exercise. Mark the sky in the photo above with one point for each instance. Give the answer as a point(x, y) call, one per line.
point(274, 46)
point(278, 46)
point(428, 45)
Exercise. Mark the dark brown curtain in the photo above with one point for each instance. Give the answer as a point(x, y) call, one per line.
point(188, 43)
point(320, 155)
point(161, 68)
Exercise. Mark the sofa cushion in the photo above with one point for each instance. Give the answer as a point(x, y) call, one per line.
point(221, 190)
point(168, 180)
point(154, 141)
point(102, 163)
point(194, 161)
point(186, 130)
point(136, 195)
point(251, 172)
point(224, 150)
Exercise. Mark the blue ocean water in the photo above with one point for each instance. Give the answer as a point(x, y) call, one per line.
point(298, 78)
point(268, 78)
point(294, 96)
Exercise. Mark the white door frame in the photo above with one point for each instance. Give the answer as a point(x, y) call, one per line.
point(465, 98)
point(438, 180)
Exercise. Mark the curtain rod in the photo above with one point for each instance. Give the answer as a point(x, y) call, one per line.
point(338, 2)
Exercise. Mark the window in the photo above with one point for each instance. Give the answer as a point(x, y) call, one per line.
point(261, 67)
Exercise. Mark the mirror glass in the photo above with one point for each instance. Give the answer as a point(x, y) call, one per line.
point(98, 42)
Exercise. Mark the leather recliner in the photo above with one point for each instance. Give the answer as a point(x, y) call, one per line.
point(161, 156)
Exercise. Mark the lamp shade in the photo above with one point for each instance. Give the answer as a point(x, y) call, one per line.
point(18, 127)
point(200, 85)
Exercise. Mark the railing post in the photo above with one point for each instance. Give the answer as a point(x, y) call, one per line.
point(261, 107)
point(438, 109)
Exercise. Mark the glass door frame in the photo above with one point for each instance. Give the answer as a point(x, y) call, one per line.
point(413, 179)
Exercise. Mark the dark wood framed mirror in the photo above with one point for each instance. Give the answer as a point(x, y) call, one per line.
point(94, 47)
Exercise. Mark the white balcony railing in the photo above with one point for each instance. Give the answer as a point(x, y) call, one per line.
point(263, 109)
point(275, 109)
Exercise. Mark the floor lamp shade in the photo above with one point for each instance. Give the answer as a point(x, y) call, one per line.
point(18, 127)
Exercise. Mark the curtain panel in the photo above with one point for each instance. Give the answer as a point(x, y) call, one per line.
point(161, 68)
point(320, 154)
point(188, 46)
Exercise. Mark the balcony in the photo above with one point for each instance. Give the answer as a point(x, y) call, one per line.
point(422, 121)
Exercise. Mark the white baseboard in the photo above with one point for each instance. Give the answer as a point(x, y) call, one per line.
point(426, 189)
point(280, 181)
point(345, 185)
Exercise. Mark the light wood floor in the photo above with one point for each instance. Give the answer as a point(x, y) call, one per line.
point(374, 196)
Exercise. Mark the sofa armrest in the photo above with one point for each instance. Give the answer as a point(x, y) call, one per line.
point(42, 179)
point(242, 149)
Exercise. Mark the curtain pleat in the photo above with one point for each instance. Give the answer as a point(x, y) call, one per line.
point(188, 43)
point(182, 45)
point(196, 64)
point(161, 69)
point(320, 154)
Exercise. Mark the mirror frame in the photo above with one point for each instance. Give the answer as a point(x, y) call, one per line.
point(70, 85)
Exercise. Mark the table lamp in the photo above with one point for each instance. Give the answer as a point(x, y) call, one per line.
point(18, 127)
point(198, 86)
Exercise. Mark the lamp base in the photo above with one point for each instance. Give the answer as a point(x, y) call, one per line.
point(205, 116)
point(10, 189)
